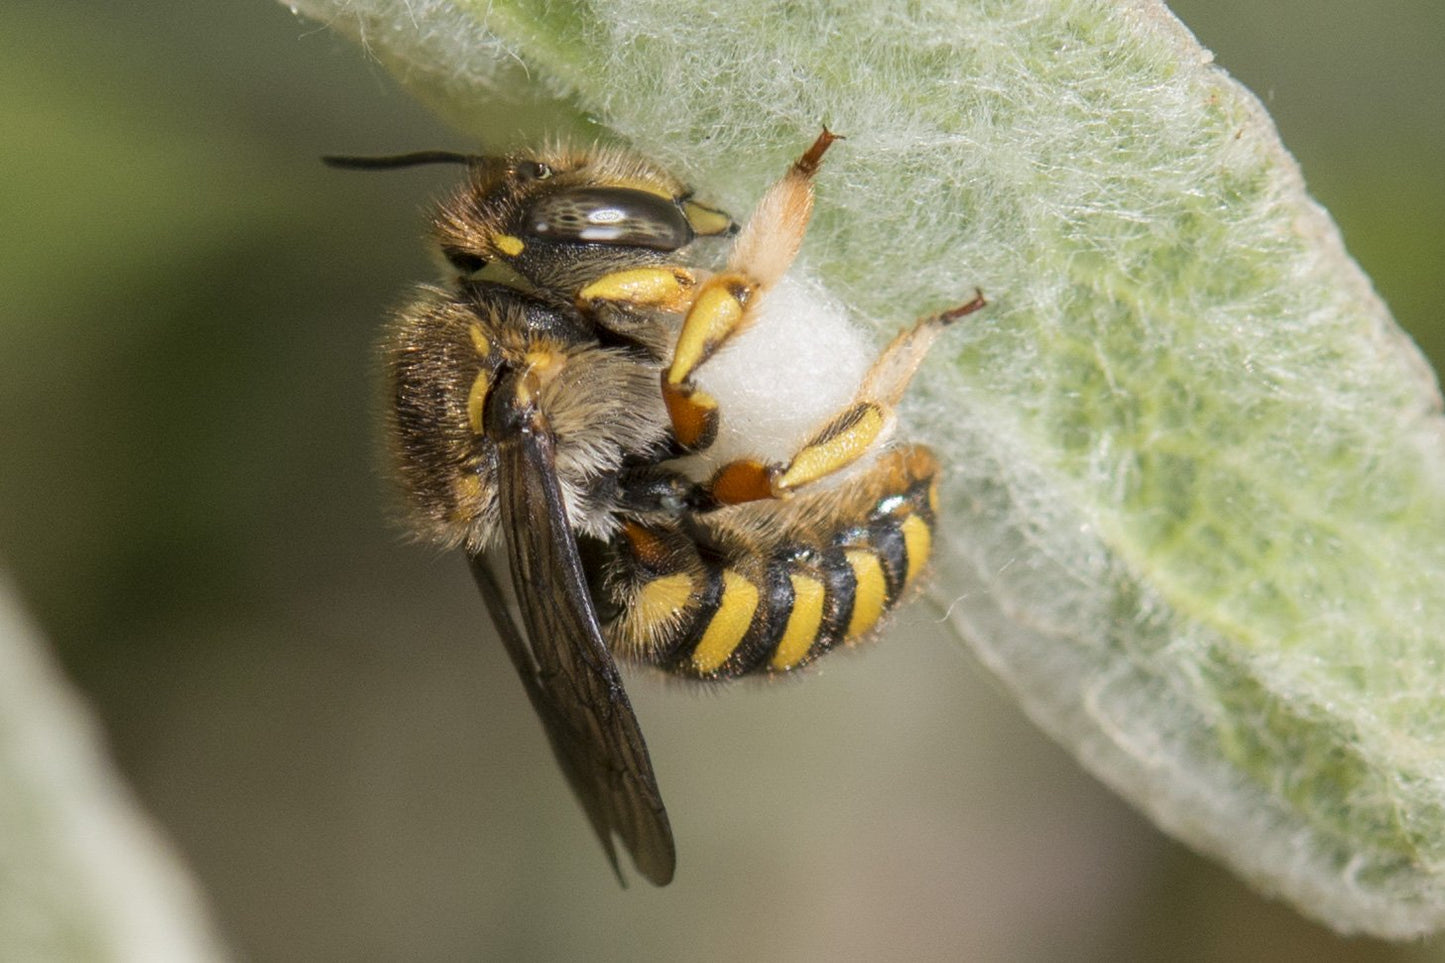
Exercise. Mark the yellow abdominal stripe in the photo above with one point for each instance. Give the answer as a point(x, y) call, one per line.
point(871, 593)
point(659, 601)
point(917, 542)
point(728, 625)
point(803, 623)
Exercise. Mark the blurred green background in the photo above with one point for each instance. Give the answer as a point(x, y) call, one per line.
point(314, 709)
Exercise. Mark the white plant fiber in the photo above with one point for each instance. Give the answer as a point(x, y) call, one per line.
point(797, 364)
point(1196, 476)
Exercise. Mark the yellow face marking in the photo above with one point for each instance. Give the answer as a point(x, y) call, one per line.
point(917, 542)
point(803, 623)
point(660, 287)
point(714, 315)
point(706, 220)
point(477, 399)
point(840, 444)
point(728, 624)
point(480, 341)
point(933, 498)
point(508, 245)
point(871, 592)
point(660, 601)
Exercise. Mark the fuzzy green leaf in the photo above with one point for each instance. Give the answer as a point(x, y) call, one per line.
point(1196, 490)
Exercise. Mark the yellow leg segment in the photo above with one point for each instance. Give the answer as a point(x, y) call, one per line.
point(845, 439)
point(717, 313)
point(761, 255)
point(663, 288)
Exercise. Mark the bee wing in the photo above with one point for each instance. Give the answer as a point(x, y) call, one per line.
point(567, 669)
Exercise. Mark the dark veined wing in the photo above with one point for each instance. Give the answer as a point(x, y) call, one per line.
point(564, 663)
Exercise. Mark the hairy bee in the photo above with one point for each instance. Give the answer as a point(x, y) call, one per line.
point(548, 397)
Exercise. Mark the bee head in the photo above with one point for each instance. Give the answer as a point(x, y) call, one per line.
point(561, 219)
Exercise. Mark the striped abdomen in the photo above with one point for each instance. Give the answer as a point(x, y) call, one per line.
point(769, 595)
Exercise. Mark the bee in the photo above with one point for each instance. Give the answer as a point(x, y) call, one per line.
point(552, 397)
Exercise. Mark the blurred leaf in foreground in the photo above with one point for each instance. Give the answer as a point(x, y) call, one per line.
point(83, 876)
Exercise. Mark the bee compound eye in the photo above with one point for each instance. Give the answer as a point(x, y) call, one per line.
point(609, 215)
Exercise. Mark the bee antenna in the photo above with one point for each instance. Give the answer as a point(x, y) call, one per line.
point(396, 161)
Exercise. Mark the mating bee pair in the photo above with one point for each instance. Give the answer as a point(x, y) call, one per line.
point(546, 394)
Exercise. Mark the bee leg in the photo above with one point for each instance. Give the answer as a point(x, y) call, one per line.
point(659, 288)
point(849, 434)
point(762, 253)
